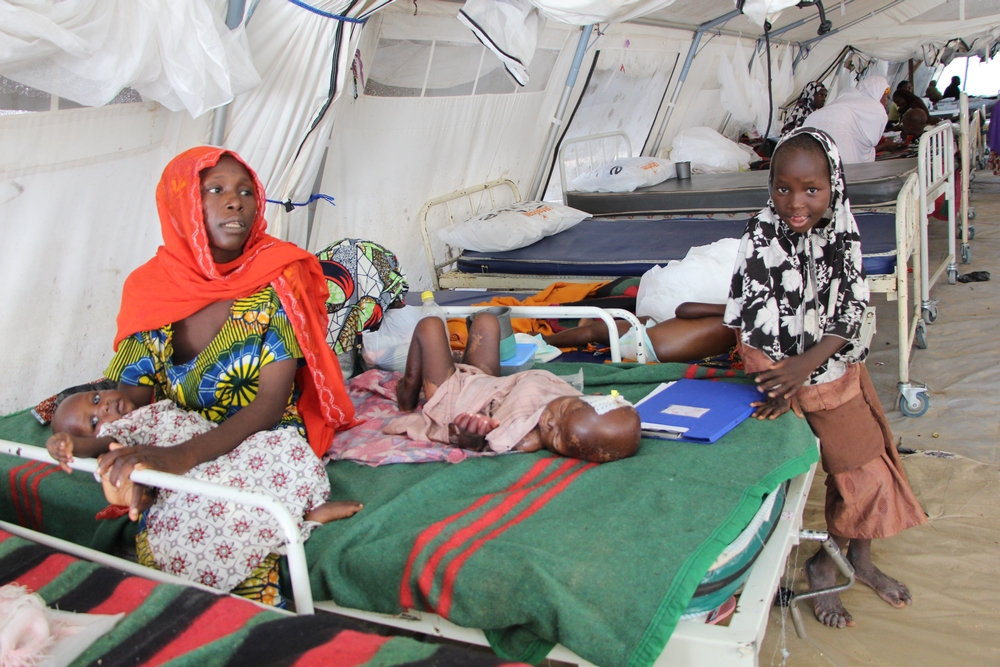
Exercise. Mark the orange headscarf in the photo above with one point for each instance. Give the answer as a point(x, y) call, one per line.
point(183, 278)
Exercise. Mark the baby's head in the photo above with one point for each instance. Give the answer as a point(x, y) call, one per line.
point(82, 414)
point(801, 188)
point(571, 426)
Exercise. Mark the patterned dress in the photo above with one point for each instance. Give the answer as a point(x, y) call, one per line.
point(216, 384)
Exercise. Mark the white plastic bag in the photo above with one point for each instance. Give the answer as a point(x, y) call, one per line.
point(625, 174)
point(511, 227)
point(709, 152)
point(703, 276)
point(387, 348)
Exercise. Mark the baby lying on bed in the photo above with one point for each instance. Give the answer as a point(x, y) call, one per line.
point(469, 406)
point(95, 422)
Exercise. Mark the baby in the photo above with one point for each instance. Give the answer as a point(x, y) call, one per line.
point(92, 423)
point(470, 406)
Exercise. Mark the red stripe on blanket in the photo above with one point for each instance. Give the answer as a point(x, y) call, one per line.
point(223, 618)
point(426, 581)
point(127, 597)
point(431, 532)
point(4, 535)
point(455, 566)
point(14, 479)
point(691, 372)
point(347, 649)
point(50, 568)
point(35, 499)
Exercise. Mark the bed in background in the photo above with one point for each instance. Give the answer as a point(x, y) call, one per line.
point(532, 546)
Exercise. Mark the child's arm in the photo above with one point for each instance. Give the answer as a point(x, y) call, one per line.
point(772, 408)
point(787, 376)
point(63, 446)
point(469, 431)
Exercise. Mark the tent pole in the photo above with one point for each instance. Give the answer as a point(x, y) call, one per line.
point(234, 17)
point(550, 140)
point(692, 51)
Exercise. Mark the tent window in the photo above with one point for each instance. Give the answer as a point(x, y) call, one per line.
point(18, 98)
point(418, 68)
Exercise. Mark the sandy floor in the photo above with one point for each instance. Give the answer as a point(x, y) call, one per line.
point(951, 564)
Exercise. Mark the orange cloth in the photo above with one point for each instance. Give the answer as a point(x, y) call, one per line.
point(554, 294)
point(183, 278)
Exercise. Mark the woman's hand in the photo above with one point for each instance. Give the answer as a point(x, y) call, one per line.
point(469, 431)
point(774, 407)
point(117, 465)
point(785, 377)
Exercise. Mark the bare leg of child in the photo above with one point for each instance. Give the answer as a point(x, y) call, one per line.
point(428, 363)
point(588, 332)
point(483, 348)
point(892, 591)
point(821, 572)
point(686, 339)
point(328, 512)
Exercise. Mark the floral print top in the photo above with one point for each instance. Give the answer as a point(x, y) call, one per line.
point(225, 376)
point(789, 290)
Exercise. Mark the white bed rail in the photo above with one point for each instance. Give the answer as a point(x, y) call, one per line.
point(456, 207)
point(582, 154)
point(607, 315)
point(297, 569)
point(936, 169)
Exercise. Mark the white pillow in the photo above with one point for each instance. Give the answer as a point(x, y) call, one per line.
point(625, 175)
point(510, 227)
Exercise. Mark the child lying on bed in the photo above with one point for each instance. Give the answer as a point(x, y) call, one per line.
point(469, 406)
point(92, 423)
point(696, 332)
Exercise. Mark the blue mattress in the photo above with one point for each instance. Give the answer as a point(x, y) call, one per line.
point(632, 247)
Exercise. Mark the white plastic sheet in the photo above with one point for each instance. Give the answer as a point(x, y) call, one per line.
point(508, 28)
point(702, 276)
point(178, 53)
point(709, 152)
point(766, 10)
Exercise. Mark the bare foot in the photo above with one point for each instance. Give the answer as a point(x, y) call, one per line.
point(892, 591)
point(822, 573)
point(328, 512)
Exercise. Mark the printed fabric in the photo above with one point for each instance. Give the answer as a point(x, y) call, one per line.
point(790, 289)
point(215, 542)
point(804, 106)
point(364, 280)
point(225, 376)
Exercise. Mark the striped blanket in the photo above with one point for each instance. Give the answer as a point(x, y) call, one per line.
point(166, 624)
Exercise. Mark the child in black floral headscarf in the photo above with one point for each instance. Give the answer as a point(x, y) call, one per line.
point(797, 299)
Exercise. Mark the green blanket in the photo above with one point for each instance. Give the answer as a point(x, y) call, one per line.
point(537, 549)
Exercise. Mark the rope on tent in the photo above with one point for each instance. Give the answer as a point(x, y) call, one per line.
point(291, 205)
point(320, 12)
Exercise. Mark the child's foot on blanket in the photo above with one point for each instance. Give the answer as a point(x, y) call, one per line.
point(822, 573)
point(892, 591)
point(328, 512)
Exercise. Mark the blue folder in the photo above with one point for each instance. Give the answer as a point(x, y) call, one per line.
point(696, 410)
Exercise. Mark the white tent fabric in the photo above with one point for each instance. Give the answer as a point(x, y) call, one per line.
point(745, 95)
point(762, 10)
point(282, 127)
point(508, 28)
point(586, 12)
point(178, 53)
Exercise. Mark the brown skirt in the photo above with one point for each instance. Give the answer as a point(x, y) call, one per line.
point(871, 498)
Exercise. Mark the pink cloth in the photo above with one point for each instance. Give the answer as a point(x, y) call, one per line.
point(516, 401)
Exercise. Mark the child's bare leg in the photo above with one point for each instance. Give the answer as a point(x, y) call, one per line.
point(684, 340)
point(592, 332)
point(892, 591)
point(428, 363)
point(483, 348)
point(821, 572)
point(328, 512)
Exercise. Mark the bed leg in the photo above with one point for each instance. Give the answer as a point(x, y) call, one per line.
point(842, 564)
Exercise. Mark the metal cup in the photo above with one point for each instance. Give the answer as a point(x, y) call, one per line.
point(683, 170)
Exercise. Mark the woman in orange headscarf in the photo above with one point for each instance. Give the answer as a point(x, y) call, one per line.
point(229, 322)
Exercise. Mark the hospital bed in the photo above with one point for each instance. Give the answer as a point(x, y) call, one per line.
point(692, 641)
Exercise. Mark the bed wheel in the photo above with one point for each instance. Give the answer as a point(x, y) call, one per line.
point(966, 254)
point(929, 313)
point(972, 216)
point(972, 230)
point(952, 276)
point(921, 403)
point(920, 336)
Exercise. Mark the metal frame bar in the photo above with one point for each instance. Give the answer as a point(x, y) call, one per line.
point(297, 568)
point(936, 169)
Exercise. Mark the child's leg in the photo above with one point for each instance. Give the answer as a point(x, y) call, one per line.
point(821, 572)
point(891, 590)
point(483, 348)
point(684, 340)
point(328, 512)
point(428, 363)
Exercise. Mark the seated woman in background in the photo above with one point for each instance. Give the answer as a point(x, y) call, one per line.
point(855, 119)
point(813, 97)
point(932, 93)
point(228, 322)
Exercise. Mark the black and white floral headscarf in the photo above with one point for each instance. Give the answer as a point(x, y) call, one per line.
point(804, 106)
point(791, 289)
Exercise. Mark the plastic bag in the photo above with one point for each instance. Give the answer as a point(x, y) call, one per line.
point(387, 347)
point(625, 174)
point(703, 276)
point(709, 152)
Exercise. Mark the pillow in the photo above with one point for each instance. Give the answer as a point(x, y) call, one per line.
point(624, 175)
point(511, 227)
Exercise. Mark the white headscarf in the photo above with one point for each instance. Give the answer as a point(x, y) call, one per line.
point(855, 119)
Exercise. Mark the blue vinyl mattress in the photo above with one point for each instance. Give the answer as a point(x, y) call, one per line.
point(632, 247)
